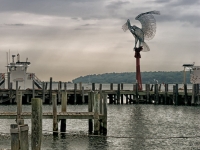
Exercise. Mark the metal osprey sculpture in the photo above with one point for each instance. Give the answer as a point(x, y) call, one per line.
point(147, 32)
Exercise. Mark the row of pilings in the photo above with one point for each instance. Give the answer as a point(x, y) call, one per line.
point(152, 94)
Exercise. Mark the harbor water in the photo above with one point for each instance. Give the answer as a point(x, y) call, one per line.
point(130, 127)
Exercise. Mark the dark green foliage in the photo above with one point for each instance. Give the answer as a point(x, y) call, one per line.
point(129, 77)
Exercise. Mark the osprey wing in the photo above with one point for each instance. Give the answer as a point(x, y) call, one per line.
point(148, 24)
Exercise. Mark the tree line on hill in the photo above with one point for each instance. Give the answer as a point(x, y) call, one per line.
point(171, 77)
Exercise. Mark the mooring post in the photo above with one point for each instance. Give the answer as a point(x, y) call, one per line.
point(136, 93)
point(75, 89)
point(122, 96)
point(93, 86)
point(90, 108)
point(36, 124)
point(175, 94)
point(63, 110)
point(104, 114)
point(19, 106)
point(156, 94)
point(46, 84)
point(151, 88)
point(118, 94)
point(126, 95)
point(101, 97)
point(147, 93)
point(43, 92)
point(83, 95)
point(166, 93)
point(96, 113)
point(59, 91)
point(55, 118)
point(14, 137)
point(193, 102)
point(23, 136)
point(8, 80)
point(177, 101)
point(185, 94)
point(50, 91)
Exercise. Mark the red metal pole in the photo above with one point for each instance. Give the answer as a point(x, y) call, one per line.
point(138, 74)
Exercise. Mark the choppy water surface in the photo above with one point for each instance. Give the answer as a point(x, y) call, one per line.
point(129, 127)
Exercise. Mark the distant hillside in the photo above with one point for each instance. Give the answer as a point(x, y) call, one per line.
point(129, 77)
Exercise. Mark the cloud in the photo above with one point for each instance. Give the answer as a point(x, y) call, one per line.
point(16, 24)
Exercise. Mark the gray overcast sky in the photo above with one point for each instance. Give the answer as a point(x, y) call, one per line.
point(67, 39)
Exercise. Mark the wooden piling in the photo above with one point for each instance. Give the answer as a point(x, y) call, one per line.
point(147, 93)
point(185, 95)
point(118, 93)
point(83, 95)
point(122, 96)
point(175, 94)
point(156, 94)
point(43, 92)
point(136, 93)
point(166, 95)
point(59, 91)
point(104, 114)
point(101, 97)
point(151, 88)
point(8, 73)
point(23, 137)
point(19, 105)
point(63, 109)
point(177, 101)
point(50, 91)
point(96, 113)
point(36, 124)
point(14, 137)
point(93, 86)
point(55, 118)
point(126, 95)
point(194, 96)
point(90, 108)
point(75, 90)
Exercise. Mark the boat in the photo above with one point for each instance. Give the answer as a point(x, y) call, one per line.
point(17, 73)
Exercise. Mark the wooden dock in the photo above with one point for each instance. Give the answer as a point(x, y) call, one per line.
point(151, 95)
point(49, 115)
